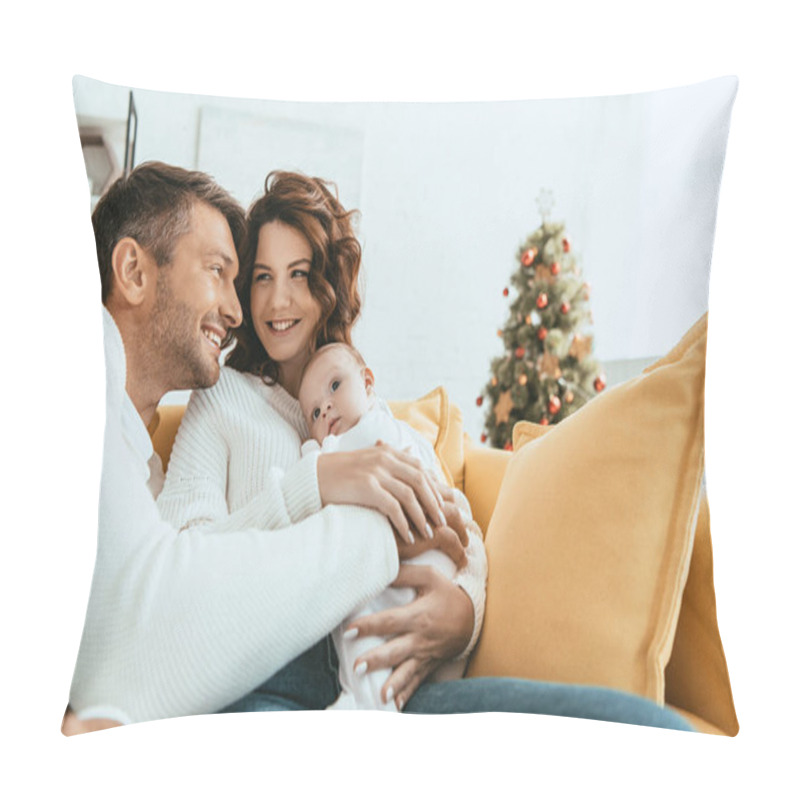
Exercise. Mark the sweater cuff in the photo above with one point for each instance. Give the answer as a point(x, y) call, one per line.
point(301, 488)
point(471, 585)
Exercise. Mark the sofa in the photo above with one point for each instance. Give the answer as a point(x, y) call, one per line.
point(597, 533)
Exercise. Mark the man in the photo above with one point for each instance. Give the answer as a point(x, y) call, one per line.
point(162, 636)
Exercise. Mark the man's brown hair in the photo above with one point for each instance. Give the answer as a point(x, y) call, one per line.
point(153, 205)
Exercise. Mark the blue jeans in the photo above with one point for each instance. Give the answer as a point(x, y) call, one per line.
point(310, 682)
point(470, 695)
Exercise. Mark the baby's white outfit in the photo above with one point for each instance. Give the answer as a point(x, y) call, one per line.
point(364, 692)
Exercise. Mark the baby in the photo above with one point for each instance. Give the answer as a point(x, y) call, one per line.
point(342, 411)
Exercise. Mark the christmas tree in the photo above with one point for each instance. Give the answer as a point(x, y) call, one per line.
point(547, 371)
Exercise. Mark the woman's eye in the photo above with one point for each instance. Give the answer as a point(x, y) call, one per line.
point(217, 269)
point(334, 386)
point(299, 273)
point(261, 277)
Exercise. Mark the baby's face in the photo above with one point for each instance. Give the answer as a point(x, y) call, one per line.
point(335, 394)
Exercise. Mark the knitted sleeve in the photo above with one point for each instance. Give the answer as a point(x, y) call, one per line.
point(472, 577)
point(236, 464)
point(187, 623)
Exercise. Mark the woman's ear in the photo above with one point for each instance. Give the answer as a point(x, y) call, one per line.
point(369, 380)
point(133, 271)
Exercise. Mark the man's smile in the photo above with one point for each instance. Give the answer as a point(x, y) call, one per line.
point(214, 335)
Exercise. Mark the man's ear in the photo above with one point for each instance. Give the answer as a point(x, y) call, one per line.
point(369, 380)
point(134, 270)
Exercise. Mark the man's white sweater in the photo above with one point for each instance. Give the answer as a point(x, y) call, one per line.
point(186, 623)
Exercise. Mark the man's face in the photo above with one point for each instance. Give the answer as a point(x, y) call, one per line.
point(196, 302)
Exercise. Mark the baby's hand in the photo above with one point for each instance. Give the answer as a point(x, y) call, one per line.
point(451, 539)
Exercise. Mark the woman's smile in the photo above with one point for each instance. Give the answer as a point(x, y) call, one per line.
point(282, 326)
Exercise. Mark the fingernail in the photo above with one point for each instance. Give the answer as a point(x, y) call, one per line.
point(429, 531)
point(349, 634)
point(410, 538)
point(442, 518)
point(464, 515)
point(399, 703)
point(361, 668)
point(389, 694)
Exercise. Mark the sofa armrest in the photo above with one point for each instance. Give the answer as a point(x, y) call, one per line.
point(484, 468)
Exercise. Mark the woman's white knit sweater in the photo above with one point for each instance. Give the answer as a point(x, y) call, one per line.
point(236, 463)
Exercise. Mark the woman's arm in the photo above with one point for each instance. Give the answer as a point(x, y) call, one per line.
point(472, 576)
point(222, 471)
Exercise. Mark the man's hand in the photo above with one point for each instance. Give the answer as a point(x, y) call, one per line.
point(71, 725)
point(432, 628)
point(388, 480)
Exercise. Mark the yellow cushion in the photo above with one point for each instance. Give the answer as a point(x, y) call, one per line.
point(442, 425)
point(591, 537)
point(484, 468)
point(162, 429)
point(697, 673)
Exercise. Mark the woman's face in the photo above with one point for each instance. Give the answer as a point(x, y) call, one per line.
point(285, 313)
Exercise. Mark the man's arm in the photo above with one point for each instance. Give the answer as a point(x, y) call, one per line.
point(187, 623)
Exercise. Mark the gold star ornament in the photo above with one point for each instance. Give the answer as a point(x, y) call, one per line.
point(503, 407)
point(548, 366)
point(581, 346)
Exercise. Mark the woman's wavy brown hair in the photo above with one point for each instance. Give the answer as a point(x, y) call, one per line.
point(310, 206)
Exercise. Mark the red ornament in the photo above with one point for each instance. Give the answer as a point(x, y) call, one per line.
point(508, 446)
point(565, 307)
point(542, 334)
point(519, 352)
point(555, 268)
point(600, 383)
point(479, 401)
point(565, 244)
point(528, 256)
point(554, 406)
point(544, 421)
point(483, 437)
point(505, 292)
point(541, 300)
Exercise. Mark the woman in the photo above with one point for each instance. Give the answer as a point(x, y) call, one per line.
point(236, 459)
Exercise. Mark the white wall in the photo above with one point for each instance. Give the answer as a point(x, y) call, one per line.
point(447, 193)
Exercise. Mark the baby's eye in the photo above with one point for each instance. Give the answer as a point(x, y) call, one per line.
point(334, 386)
point(315, 415)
